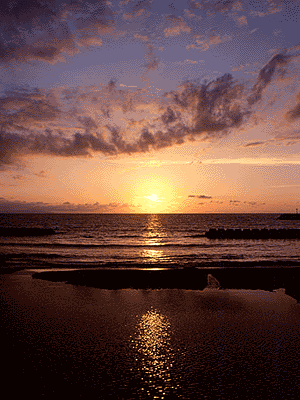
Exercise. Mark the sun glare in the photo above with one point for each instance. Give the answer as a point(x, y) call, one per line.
point(153, 197)
point(153, 194)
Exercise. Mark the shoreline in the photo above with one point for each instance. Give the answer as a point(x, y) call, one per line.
point(6, 262)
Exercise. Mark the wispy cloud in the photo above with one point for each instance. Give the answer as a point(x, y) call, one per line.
point(272, 9)
point(203, 43)
point(176, 26)
point(191, 61)
point(254, 144)
point(253, 203)
point(284, 186)
point(152, 60)
point(200, 196)
point(242, 21)
point(253, 161)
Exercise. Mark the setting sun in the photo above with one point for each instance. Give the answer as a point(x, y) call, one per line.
point(153, 193)
point(153, 197)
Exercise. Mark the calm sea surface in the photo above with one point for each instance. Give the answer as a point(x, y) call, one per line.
point(124, 240)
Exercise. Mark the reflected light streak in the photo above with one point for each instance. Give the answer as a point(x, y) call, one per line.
point(153, 343)
point(153, 255)
point(153, 230)
point(153, 236)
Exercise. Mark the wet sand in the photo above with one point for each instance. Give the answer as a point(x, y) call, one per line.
point(85, 342)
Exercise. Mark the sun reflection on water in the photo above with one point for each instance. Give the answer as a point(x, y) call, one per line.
point(156, 356)
point(154, 229)
point(154, 235)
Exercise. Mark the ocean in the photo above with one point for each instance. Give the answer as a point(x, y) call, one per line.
point(143, 240)
point(85, 340)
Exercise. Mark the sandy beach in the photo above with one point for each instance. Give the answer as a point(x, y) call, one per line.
point(63, 339)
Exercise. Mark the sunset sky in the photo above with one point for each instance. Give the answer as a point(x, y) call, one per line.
point(149, 106)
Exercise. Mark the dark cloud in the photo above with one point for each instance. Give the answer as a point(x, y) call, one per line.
point(169, 116)
point(9, 206)
point(294, 113)
point(77, 145)
point(11, 146)
point(214, 105)
point(38, 29)
point(25, 112)
point(234, 201)
point(88, 123)
point(218, 104)
point(152, 60)
point(266, 74)
point(30, 118)
point(21, 107)
point(14, 145)
point(200, 196)
point(253, 144)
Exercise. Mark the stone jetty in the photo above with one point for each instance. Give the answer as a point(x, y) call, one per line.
point(25, 232)
point(289, 217)
point(253, 233)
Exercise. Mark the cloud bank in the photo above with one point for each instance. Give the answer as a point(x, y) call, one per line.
point(112, 120)
point(16, 206)
point(75, 122)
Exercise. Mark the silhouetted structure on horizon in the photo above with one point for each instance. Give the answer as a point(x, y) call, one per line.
point(253, 233)
point(290, 217)
point(18, 232)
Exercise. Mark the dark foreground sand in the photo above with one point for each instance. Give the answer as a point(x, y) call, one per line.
point(62, 340)
point(190, 278)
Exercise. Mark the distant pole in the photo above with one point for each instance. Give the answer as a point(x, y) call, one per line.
point(296, 210)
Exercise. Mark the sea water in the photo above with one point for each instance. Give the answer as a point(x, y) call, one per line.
point(122, 240)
